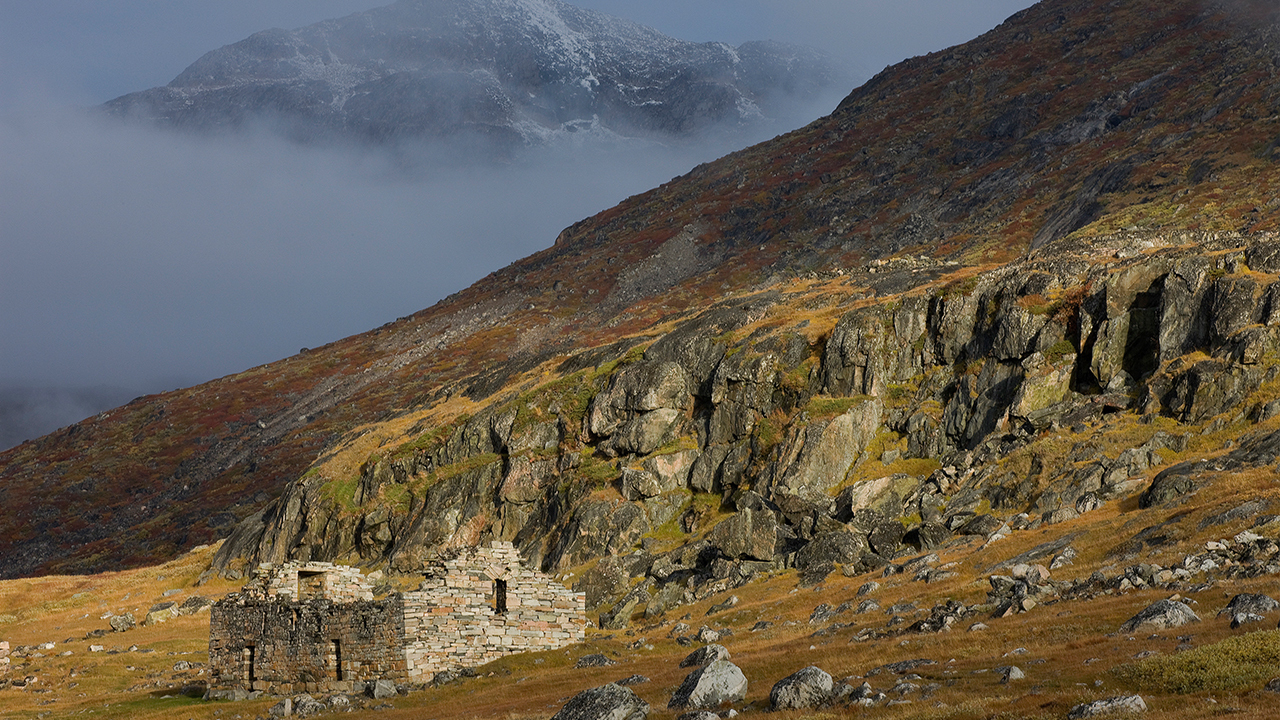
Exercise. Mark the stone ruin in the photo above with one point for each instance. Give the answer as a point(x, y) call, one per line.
point(316, 627)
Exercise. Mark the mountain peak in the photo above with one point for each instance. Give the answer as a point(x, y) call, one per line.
point(506, 73)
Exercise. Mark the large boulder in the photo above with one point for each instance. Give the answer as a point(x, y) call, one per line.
point(607, 702)
point(161, 612)
point(600, 528)
point(927, 536)
point(806, 688)
point(121, 623)
point(748, 534)
point(834, 546)
point(881, 495)
point(885, 537)
point(710, 687)
point(672, 470)
point(1171, 484)
point(1161, 616)
point(1254, 603)
point(380, 689)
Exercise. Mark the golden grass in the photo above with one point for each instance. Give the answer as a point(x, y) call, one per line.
point(1071, 645)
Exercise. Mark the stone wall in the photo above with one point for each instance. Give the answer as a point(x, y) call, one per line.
point(455, 619)
point(474, 608)
point(315, 646)
point(4, 656)
point(309, 581)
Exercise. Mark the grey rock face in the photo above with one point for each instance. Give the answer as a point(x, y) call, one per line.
point(607, 702)
point(751, 534)
point(501, 74)
point(818, 456)
point(806, 688)
point(607, 580)
point(1161, 615)
point(719, 682)
point(1122, 704)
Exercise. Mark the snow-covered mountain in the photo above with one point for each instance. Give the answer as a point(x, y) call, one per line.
point(513, 73)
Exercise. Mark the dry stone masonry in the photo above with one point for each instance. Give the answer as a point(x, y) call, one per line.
point(484, 604)
point(316, 627)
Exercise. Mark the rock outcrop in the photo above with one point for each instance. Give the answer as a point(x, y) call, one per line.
point(940, 375)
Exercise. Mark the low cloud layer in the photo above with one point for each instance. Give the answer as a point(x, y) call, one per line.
point(147, 260)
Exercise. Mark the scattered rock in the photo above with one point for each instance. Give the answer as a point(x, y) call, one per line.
point(607, 702)
point(729, 602)
point(305, 706)
point(380, 689)
point(1127, 704)
point(194, 604)
point(633, 680)
point(230, 694)
point(594, 661)
point(902, 667)
point(1011, 672)
point(698, 715)
point(806, 688)
point(711, 686)
point(1161, 615)
point(121, 623)
point(1245, 618)
point(868, 588)
point(705, 656)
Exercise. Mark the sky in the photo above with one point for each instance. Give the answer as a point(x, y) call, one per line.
point(138, 262)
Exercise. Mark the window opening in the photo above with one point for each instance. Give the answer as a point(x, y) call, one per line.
point(500, 597)
point(310, 585)
point(246, 659)
point(335, 659)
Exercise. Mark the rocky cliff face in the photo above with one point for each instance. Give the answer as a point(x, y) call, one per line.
point(761, 434)
point(504, 74)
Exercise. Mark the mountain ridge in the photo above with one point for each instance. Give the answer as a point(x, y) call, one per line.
point(509, 73)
